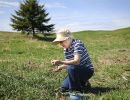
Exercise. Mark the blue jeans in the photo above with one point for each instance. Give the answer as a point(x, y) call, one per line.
point(77, 77)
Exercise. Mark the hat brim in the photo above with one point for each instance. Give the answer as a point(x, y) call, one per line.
point(60, 39)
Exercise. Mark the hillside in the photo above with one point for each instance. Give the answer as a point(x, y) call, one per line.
point(25, 65)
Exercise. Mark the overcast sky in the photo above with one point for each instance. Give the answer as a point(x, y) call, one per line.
point(76, 15)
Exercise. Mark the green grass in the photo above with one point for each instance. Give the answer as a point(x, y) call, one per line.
point(25, 64)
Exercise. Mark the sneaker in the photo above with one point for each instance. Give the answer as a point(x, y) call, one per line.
point(63, 89)
point(87, 87)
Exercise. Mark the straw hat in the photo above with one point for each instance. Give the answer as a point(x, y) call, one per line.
point(62, 35)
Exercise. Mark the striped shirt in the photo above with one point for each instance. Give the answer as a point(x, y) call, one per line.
point(78, 47)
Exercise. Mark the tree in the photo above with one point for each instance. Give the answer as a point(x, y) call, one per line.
point(31, 18)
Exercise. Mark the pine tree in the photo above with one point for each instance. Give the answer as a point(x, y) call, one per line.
point(31, 18)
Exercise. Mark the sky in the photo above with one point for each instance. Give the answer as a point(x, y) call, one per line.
point(76, 15)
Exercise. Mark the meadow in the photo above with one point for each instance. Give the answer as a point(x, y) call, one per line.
point(25, 65)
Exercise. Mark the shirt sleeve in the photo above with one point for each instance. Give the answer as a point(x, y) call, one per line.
point(78, 48)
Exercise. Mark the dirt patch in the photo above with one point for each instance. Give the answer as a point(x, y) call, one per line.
point(121, 56)
point(105, 61)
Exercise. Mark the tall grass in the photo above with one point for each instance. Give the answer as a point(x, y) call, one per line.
point(25, 64)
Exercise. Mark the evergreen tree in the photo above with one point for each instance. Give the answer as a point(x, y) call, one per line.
point(31, 18)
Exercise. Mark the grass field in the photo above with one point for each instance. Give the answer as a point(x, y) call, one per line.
point(25, 64)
